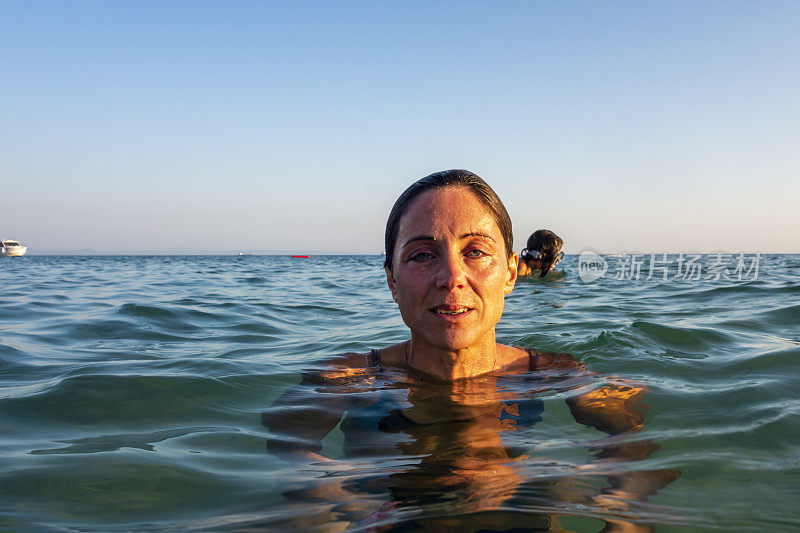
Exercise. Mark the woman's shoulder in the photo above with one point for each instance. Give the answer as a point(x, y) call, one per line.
point(541, 360)
point(374, 358)
point(390, 355)
point(513, 358)
point(341, 367)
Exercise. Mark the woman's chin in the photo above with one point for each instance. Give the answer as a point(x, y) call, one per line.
point(454, 340)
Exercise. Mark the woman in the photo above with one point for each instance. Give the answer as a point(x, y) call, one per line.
point(541, 255)
point(435, 403)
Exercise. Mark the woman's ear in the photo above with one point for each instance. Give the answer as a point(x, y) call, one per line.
point(511, 275)
point(391, 283)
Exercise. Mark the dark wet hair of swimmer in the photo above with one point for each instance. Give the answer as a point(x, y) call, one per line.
point(545, 246)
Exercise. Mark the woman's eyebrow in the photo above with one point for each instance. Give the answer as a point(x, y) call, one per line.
point(477, 234)
point(419, 238)
point(464, 236)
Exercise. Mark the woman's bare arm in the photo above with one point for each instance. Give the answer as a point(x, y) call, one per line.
point(303, 415)
point(617, 408)
point(614, 408)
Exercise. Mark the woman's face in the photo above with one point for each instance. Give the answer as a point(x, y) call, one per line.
point(450, 271)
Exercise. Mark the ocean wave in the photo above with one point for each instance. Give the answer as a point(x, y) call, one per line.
point(687, 339)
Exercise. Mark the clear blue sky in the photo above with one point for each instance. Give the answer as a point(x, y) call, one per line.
point(209, 126)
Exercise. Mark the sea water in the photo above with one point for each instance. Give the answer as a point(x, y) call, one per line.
point(132, 391)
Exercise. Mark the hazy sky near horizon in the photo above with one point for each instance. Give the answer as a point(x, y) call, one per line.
point(293, 126)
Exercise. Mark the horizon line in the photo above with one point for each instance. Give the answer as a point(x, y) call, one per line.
point(339, 252)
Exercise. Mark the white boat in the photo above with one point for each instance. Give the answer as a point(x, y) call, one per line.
point(12, 248)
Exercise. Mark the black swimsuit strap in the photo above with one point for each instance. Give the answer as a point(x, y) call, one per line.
point(374, 359)
point(531, 358)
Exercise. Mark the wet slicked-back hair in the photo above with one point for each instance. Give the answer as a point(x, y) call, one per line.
point(442, 180)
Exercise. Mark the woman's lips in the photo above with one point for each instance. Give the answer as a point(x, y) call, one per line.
point(451, 312)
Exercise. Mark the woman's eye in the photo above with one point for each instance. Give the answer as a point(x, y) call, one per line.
point(475, 253)
point(421, 256)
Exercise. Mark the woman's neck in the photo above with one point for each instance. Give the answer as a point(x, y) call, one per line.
point(424, 360)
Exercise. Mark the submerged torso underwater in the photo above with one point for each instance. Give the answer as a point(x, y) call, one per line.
point(460, 447)
point(381, 406)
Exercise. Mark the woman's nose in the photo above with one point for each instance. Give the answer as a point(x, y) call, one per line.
point(451, 273)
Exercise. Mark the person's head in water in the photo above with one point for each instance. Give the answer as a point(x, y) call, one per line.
point(543, 251)
point(449, 265)
point(441, 180)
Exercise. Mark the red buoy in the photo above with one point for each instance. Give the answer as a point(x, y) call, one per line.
point(300, 256)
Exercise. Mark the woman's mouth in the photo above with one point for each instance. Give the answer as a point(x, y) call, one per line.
point(450, 310)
